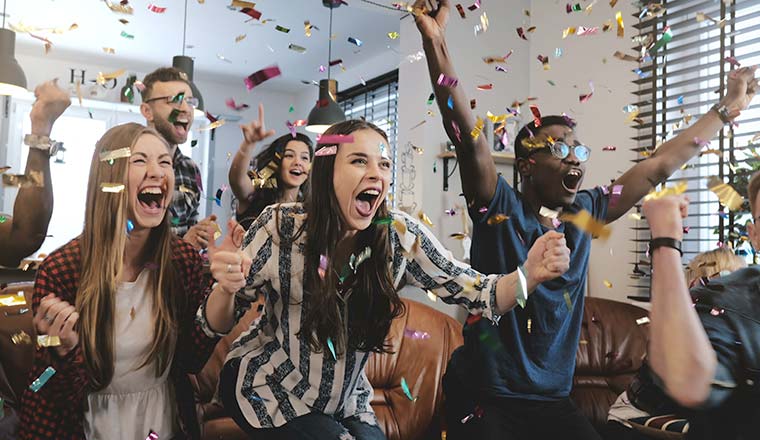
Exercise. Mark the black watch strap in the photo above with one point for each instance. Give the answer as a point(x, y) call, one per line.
point(665, 242)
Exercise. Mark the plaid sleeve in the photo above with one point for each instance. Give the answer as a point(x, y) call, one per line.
point(55, 410)
point(194, 346)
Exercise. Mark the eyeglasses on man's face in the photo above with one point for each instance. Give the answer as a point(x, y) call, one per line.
point(177, 100)
point(561, 150)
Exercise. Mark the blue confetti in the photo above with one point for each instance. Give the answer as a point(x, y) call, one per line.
point(451, 102)
point(405, 388)
point(680, 99)
point(130, 226)
point(42, 380)
point(332, 348)
point(557, 52)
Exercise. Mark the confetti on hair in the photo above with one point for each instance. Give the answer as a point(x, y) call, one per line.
point(327, 139)
point(38, 383)
point(110, 156)
point(262, 75)
point(727, 195)
point(322, 270)
point(112, 187)
point(156, 9)
point(327, 151)
point(584, 221)
point(332, 348)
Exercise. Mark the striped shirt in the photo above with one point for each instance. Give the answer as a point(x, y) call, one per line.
point(279, 377)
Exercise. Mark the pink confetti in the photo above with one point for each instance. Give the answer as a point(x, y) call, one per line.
point(416, 334)
point(447, 81)
point(254, 14)
point(585, 98)
point(322, 270)
point(326, 139)
point(262, 75)
point(556, 223)
point(474, 6)
point(733, 62)
point(327, 151)
point(457, 131)
point(609, 148)
point(483, 210)
point(292, 128)
point(582, 30)
point(152, 435)
point(701, 143)
point(536, 115)
point(237, 107)
point(322, 69)
point(617, 190)
point(521, 33)
point(485, 87)
point(157, 10)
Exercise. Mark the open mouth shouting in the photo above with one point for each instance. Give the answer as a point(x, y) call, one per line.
point(297, 172)
point(571, 181)
point(181, 125)
point(367, 202)
point(152, 200)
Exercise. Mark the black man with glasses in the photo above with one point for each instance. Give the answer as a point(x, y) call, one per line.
point(513, 380)
point(168, 106)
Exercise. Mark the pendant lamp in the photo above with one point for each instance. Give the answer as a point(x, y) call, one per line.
point(186, 64)
point(12, 78)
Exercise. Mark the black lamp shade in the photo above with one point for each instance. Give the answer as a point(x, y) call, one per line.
point(12, 78)
point(185, 64)
point(323, 116)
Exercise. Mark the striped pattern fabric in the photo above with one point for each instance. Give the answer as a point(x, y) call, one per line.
point(669, 423)
point(280, 378)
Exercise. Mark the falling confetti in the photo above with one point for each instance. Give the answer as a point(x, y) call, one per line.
point(335, 139)
point(230, 102)
point(42, 380)
point(607, 284)
point(620, 25)
point(447, 81)
point(127, 36)
point(393, 35)
point(679, 188)
point(497, 219)
point(727, 195)
point(262, 75)
point(406, 390)
point(521, 296)
point(240, 38)
point(355, 41)
point(425, 219)
point(332, 348)
point(584, 221)
point(156, 9)
point(48, 341)
point(664, 39)
point(282, 29)
point(416, 334)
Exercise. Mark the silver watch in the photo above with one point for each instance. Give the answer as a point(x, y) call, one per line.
point(43, 143)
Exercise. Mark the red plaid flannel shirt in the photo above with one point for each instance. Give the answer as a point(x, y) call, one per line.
point(56, 411)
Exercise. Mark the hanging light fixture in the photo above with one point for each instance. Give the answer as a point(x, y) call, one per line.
point(186, 64)
point(12, 78)
point(326, 112)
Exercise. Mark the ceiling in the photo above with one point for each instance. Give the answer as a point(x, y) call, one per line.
point(212, 28)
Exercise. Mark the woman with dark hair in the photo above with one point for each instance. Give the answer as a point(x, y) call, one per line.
point(117, 307)
point(330, 270)
point(280, 173)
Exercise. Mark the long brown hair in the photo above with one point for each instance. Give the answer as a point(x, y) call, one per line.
point(103, 242)
point(373, 302)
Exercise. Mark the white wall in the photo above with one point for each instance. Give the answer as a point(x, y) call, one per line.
point(601, 120)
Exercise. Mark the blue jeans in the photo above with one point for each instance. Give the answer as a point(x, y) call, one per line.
point(313, 426)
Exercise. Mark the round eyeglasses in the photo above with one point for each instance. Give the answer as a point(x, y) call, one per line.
point(177, 100)
point(561, 150)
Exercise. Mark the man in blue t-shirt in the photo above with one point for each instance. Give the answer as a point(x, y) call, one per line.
point(514, 380)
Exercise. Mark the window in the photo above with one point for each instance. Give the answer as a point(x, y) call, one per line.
point(376, 102)
point(676, 86)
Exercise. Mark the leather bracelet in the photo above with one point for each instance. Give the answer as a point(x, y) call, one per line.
point(722, 112)
point(665, 242)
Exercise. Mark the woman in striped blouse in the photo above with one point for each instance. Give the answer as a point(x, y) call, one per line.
point(330, 270)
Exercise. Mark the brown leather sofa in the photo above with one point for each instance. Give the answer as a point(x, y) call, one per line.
point(612, 345)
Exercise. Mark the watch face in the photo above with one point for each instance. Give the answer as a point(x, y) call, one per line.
point(55, 147)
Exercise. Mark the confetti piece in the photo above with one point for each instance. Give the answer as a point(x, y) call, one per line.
point(152, 435)
point(253, 13)
point(156, 9)
point(642, 321)
point(42, 380)
point(625, 57)
point(558, 52)
point(106, 156)
point(242, 4)
point(102, 78)
point(497, 219)
point(620, 25)
point(326, 151)
point(33, 179)
point(585, 222)
point(230, 102)
point(131, 225)
point(431, 296)
point(109, 50)
point(297, 48)
point(607, 284)
point(262, 75)
point(460, 9)
point(521, 33)
point(568, 301)
point(585, 31)
point(546, 212)
point(664, 39)
point(322, 270)
point(483, 26)
point(617, 191)
point(405, 388)
point(122, 8)
point(544, 61)
point(393, 35)
point(12, 299)
point(479, 124)
point(521, 295)
point(127, 36)
point(332, 348)
point(48, 341)
point(20, 338)
point(112, 187)
point(335, 139)
point(733, 62)
point(355, 41)
point(425, 219)
point(679, 188)
point(491, 60)
point(536, 115)
point(447, 81)
point(483, 87)
point(701, 16)
point(416, 334)
point(609, 148)
point(727, 195)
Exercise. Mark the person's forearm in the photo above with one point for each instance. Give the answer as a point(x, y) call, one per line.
point(33, 206)
point(507, 289)
point(239, 182)
point(220, 310)
point(679, 352)
point(679, 150)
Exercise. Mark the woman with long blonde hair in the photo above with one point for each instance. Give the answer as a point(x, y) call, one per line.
point(117, 305)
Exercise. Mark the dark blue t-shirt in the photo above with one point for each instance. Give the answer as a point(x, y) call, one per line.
point(506, 360)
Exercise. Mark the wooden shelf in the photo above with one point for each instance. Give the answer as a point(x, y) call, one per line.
point(498, 157)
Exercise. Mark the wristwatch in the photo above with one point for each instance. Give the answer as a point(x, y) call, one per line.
point(43, 143)
point(722, 111)
point(665, 242)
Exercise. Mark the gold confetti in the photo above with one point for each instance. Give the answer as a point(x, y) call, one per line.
point(48, 341)
point(607, 284)
point(620, 25)
point(106, 156)
point(12, 299)
point(213, 125)
point(217, 231)
point(400, 227)
point(103, 77)
point(120, 8)
point(585, 222)
point(431, 296)
point(458, 236)
point(242, 4)
point(21, 338)
point(33, 179)
point(634, 216)
point(479, 124)
point(112, 187)
point(679, 188)
point(726, 193)
point(393, 35)
point(184, 189)
point(530, 324)
point(425, 219)
point(109, 50)
point(496, 219)
point(240, 38)
point(497, 119)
